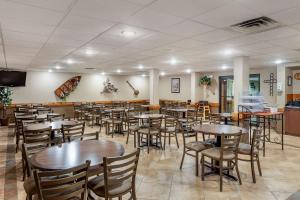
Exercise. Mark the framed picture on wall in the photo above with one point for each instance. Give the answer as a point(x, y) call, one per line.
point(290, 81)
point(175, 85)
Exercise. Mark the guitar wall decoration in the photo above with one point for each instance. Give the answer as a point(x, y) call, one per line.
point(135, 92)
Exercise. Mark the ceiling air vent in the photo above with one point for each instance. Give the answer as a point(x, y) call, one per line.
point(90, 68)
point(255, 25)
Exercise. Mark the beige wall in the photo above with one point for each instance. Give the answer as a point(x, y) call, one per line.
point(185, 88)
point(296, 83)
point(40, 87)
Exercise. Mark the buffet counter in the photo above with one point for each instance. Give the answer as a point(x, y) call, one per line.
point(292, 119)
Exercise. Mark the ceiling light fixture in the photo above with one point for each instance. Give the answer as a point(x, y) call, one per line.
point(224, 67)
point(119, 71)
point(50, 70)
point(188, 71)
point(173, 61)
point(90, 52)
point(143, 75)
point(141, 67)
point(279, 61)
point(70, 61)
point(103, 73)
point(57, 67)
point(128, 33)
point(228, 52)
point(162, 73)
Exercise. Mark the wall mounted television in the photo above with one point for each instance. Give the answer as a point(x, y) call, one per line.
point(12, 78)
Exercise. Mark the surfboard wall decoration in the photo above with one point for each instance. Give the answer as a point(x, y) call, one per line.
point(65, 89)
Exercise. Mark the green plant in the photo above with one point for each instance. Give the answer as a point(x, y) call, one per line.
point(205, 80)
point(5, 96)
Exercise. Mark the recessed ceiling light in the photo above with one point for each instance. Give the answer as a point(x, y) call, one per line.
point(103, 73)
point(279, 61)
point(90, 52)
point(227, 52)
point(128, 33)
point(224, 66)
point(50, 70)
point(173, 61)
point(143, 75)
point(188, 71)
point(57, 67)
point(119, 71)
point(70, 61)
point(141, 67)
point(162, 73)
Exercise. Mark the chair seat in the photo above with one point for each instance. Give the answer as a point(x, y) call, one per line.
point(133, 127)
point(214, 153)
point(97, 186)
point(196, 146)
point(246, 149)
point(168, 129)
point(115, 121)
point(146, 131)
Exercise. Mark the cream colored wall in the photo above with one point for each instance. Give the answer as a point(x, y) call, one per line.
point(185, 88)
point(296, 83)
point(213, 90)
point(40, 87)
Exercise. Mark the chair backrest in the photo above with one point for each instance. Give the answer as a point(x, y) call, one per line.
point(170, 121)
point(38, 136)
point(86, 136)
point(44, 110)
point(118, 170)
point(117, 115)
point(230, 143)
point(62, 184)
point(214, 118)
point(73, 131)
point(155, 123)
point(19, 122)
point(55, 117)
point(187, 133)
point(256, 140)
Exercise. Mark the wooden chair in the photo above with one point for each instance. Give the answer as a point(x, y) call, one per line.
point(85, 136)
point(44, 110)
point(252, 150)
point(228, 152)
point(73, 131)
point(153, 129)
point(19, 128)
point(169, 130)
point(214, 118)
point(59, 185)
point(191, 145)
point(115, 122)
point(118, 178)
point(132, 127)
point(53, 118)
point(78, 111)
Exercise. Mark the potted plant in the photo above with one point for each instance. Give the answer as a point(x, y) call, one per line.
point(205, 81)
point(5, 100)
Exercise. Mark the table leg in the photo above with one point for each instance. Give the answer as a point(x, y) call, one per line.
point(264, 140)
point(282, 131)
point(269, 126)
point(226, 120)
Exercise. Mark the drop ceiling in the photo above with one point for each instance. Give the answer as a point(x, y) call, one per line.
point(39, 35)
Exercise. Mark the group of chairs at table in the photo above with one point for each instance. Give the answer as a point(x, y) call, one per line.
point(145, 128)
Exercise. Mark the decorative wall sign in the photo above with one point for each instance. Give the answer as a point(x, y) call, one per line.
point(271, 81)
point(109, 87)
point(135, 92)
point(297, 76)
point(65, 89)
point(175, 85)
point(290, 81)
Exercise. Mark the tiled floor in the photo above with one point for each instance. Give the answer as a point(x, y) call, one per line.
point(159, 176)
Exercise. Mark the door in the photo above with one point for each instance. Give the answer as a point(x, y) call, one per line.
point(226, 94)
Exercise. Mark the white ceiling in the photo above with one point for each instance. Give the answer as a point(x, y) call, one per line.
point(40, 34)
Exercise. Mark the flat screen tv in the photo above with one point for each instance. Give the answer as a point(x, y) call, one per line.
point(12, 78)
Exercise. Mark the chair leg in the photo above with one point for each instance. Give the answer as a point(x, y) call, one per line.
point(221, 176)
point(252, 169)
point(182, 158)
point(148, 142)
point(133, 194)
point(134, 139)
point(197, 164)
point(202, 168)
point(258, 165)
point(238, 171)
point(176, 140)
point(127, 137)
point(165, 137)
point(169, 139)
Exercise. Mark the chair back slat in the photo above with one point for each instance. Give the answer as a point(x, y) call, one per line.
point(73, 131)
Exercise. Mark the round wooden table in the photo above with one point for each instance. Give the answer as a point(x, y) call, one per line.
point(56, 125)
point(147, 116)
point(75, 153)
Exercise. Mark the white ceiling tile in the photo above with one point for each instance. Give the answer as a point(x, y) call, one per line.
point(227, 15)
point(187, 8)
point(287, 17)
point(58, 5)
point(113, 10)
point(28, 37)
point(11, 10)
point(149, 18)
point(187, 28)
point(275, 33)
point(142, 2)
point(217, 35)
point(269, 6)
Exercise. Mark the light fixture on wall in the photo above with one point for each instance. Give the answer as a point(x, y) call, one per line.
point(162, 73)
